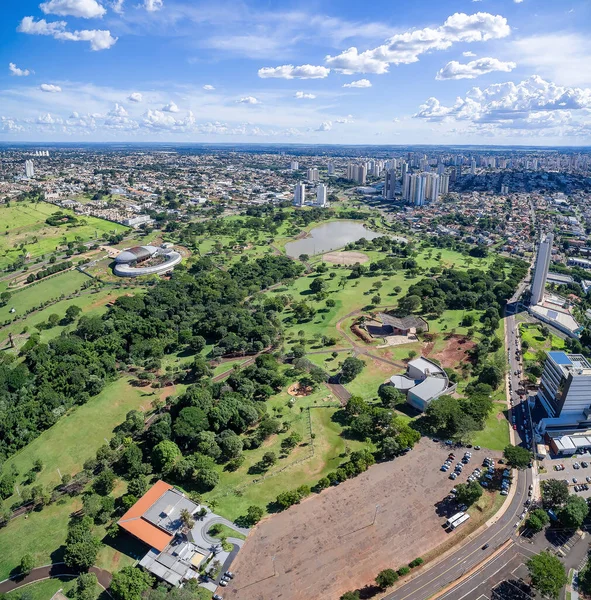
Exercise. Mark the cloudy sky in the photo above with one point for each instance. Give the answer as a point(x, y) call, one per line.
point(318, 71)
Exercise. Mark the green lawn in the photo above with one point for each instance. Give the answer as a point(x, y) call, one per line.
point(233, 494)
point(227, 532)
point(77, 435)
point(33, 295)
point(44, 590)
point(495, 435)
point(24, 223)
point(532, 334)
point(94, 302)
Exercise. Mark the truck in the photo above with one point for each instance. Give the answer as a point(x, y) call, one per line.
point(459, 521)
point(455, 517)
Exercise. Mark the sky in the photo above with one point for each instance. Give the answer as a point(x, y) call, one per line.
point(319, 71)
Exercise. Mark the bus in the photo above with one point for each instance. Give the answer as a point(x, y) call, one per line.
point(459, 521)
point(454, 518)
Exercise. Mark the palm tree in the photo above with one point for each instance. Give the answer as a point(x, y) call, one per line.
point(187, 519)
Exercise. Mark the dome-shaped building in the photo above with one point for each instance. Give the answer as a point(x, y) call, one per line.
point(155, 260)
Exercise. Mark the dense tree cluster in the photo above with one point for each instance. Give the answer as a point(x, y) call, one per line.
point(51, 270)
point(187, 311)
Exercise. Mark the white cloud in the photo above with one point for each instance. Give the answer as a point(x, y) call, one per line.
point(48, 119)
point(468, 54)
point(304, 96)
point(347, 119)
point(208, 88)
point(171, 107)
point(563, 57)
point(518, 1)
point(49, 87)
point(248, 100)
point(473, 69)
point(118, 111)
point(117, 6)
point(291, 72)
point(153, 5)
point(531, 104)
point(14, 70)
point(360, 83)
point(326, 126)
point(85, 9)
point(135, 97)
point(99, 39)
point(407, 47)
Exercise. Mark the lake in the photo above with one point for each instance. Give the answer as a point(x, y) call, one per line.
point(330, 236)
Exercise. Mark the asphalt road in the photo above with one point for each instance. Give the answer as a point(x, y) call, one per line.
point(440, 575)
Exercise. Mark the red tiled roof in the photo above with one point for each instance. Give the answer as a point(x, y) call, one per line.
point(133, 522)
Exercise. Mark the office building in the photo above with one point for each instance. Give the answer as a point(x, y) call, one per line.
point(29, 169)
point(390, 184)
point(312, 175)
point(541, 270)
point(299, 194)
point(565, 393)
point(321, 195)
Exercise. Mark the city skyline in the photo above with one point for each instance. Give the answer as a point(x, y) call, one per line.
point(473, 72)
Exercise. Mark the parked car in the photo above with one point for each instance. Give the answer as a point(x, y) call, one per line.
point(476, 447)
point(223, 583)
point(229, 574)
point(217, 597)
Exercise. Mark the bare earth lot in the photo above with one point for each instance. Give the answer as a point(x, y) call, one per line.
point(345, 257)
point(328, 545)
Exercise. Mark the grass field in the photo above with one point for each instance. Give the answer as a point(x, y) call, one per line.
point(236, 491)
point(24, 223)
point(495, 435)
point(77, 435)
point(44, 590)
point(91, 302)
point(51, 288)
point(532, 334)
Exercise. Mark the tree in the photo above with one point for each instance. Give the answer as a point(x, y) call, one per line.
point(130, 583)
point(350, 596)
point(187, 519)
point(468, 493)
point(517, 456)
point(317, 285)
point(390, 396)
point(81, 546)
point(352, 366)
point(386, 578)
point(537, 520)
point(573, 513)
point(547, 574)
point(254, 514)
point(491, 375)
point(104, 482)
point(26, 565)
point(554, 493)
point(164, 455)
point(72, 313)
point(85, 588)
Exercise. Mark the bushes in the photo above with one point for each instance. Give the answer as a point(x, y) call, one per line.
point(286, 499)
point(403, 571)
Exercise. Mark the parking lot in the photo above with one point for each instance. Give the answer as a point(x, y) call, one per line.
point(341, 538)
point(570, 471)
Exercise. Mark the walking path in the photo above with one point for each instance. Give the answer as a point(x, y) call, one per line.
point(49, 571)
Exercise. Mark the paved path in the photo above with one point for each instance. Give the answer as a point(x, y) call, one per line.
point(54, 570)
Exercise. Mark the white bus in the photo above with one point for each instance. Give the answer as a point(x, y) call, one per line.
point(451, 520)
point(459, 521)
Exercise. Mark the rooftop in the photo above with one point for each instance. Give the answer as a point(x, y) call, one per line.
point(569, 362)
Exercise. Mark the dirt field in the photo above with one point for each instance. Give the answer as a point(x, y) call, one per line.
point(328, 544)
point(346, 257)
point(455, 351)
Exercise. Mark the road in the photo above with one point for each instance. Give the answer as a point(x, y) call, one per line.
point(432, 580)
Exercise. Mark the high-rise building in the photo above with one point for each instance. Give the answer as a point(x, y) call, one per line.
point(330, 168)
point(417, 189)
point(541, 269)
point(321, 195)
point(504, 190)
point(444, 184)
point(29, 169)
point(431, 186)
point(312, 174)
point(294, 165)
point(565, 392)
point(390, 184)
point(299, 194)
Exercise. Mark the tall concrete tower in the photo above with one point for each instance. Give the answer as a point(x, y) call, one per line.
point(541, 270)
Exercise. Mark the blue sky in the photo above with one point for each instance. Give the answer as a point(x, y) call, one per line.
point(391, 72)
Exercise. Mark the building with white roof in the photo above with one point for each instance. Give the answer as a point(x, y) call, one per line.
point(423, 381)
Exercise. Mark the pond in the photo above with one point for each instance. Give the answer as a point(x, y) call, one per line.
point(330, 236)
